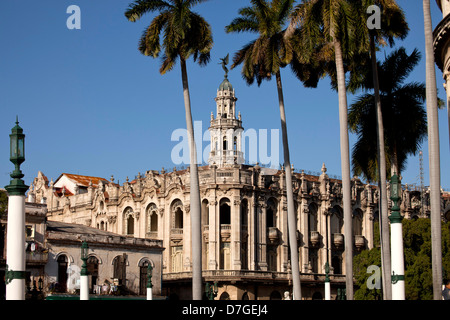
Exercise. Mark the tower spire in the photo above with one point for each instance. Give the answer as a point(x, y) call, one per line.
point(226, 129)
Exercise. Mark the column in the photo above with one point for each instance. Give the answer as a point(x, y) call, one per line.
point(252, 229)
point(236, 234)
point(213, 235)
point(304, 211)
point(262, 235)
point(15, 249)
point(397, 258)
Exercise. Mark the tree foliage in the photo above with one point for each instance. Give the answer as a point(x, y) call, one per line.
point(3, 202)
point(404, 116)
point(184, 32)
point(417, 250)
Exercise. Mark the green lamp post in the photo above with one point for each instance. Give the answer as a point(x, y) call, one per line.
point(397, 256)
point(17, 186)
point(327, 282)
point(15, 260)
point(211, 290)
point(84, 276)
point(149, 282)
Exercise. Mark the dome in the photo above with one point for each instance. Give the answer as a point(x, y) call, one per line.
point(225, 85)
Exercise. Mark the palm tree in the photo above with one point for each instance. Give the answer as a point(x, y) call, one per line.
point(404, 116)
point(261, 59)
point(393, 25)
point(330, 24)
point(434, 153)
point(185, 33)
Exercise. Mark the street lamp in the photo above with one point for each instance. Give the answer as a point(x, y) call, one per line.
point(397, 258)
point(327, 282)
point(84, 279)
point(211, 290)
point(149, 282)
point(15, 260)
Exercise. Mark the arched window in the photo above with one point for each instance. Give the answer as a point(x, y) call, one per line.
point(177, 214)
point(119, 268)
point(312, 217)
point(271, 213)
point(143, 275)
point(225, 211)
point(244, 212)
point(179, 218)
point(205, 212)
point(336, 263)
point(152, 216)
point(225, 144)
point(336, 220)
point(92, 268)
point(128, 217)
point(62, 273)
point(224, 296)
point(130, 226)
point(357, 222)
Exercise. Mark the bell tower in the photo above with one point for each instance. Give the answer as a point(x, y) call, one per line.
point(226, 129)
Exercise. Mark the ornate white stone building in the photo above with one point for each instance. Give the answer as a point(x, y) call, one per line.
point(243, 212)
point(442, 48)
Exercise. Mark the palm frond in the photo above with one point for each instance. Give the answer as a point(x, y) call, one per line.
point(140, 7)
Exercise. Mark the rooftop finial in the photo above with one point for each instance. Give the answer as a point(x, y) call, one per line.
point(224, 63)
point(17, 119)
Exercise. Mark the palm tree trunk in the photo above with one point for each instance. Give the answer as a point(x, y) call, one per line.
point(345, 168)
point(434, 154)
point(292, 219)
point(194, 193)
point(383, 207)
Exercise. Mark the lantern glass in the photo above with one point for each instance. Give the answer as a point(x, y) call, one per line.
point(84, 250)
point(394, 187)
point(17, 150)
point(150, 269)
point(13, 153)
point(20, 147)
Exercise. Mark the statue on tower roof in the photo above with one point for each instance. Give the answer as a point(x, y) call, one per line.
point(224, 63)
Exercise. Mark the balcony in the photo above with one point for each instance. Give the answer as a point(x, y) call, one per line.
point(360, 242)
point(338, 240)
point(36, 258)
point(225, 231)
point(250, 275)
point(273, 235)
point(314, 238)
point(176, 234)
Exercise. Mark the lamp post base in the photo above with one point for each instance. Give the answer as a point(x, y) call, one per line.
point(84, 287)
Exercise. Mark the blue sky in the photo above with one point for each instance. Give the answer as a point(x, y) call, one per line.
point(91, 104)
